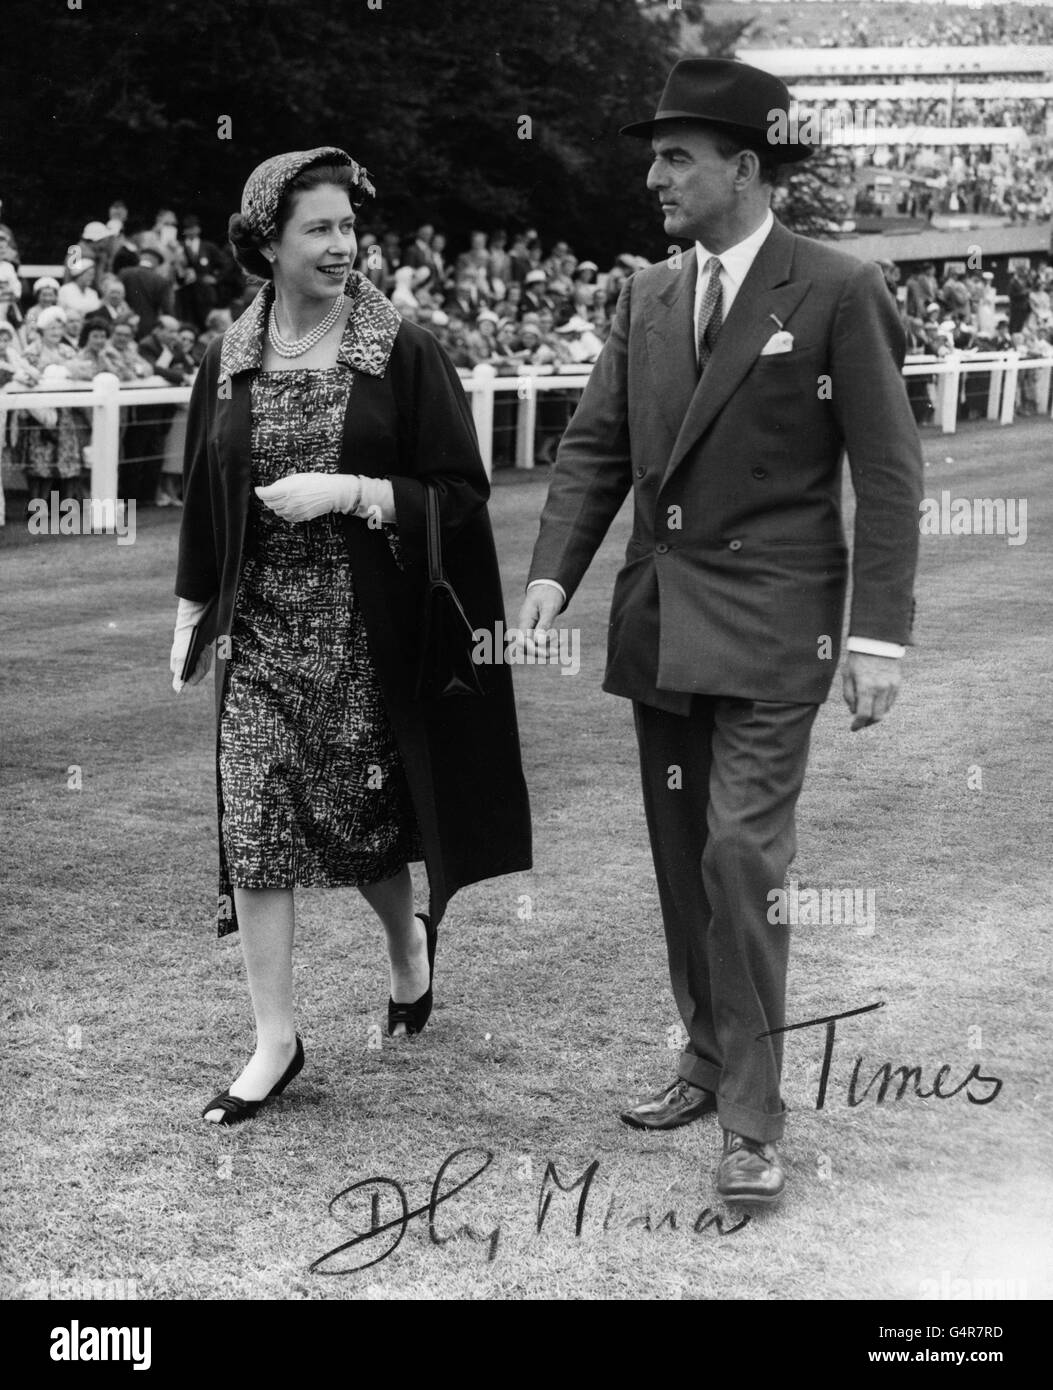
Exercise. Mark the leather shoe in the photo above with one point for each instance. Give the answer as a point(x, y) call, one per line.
point(677, 1105)
point(750, 1170)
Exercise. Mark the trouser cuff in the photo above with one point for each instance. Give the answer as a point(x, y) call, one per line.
point(698, 1071)
point(752, 1124)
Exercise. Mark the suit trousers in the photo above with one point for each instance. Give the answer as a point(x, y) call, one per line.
point(720, 787)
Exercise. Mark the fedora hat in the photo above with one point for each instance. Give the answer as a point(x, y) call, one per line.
point(724, 92)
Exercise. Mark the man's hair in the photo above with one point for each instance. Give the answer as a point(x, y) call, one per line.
point(729, 143)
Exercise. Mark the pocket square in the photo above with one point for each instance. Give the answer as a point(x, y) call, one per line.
point(778, 342)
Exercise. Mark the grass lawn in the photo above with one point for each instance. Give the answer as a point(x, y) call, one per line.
point(124, 1013)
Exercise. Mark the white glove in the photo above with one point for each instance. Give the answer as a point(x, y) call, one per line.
point(303, 496)
point(187, 615)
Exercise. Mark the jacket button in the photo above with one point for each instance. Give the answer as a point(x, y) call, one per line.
point(661, 548)
point(641, 472)
point(760, 472)
point(734, 545)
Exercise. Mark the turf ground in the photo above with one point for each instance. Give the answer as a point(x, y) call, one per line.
point(124, 1013)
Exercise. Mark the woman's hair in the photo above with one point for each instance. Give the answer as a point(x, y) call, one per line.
point(244, 242)
point(53, 314)
point(88, 328)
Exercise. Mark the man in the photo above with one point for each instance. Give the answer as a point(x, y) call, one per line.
point(732, 380)
point(421, 256)
point(148, 293)
point(955, 297)
point(167, 359)
point(114, 306)
point(200, 269)
point(921, 290)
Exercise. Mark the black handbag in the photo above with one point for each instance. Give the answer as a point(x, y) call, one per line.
point(203, 632)
point(446, 666)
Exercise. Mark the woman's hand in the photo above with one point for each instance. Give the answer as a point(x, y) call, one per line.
point(303, 496)
point(186, 620)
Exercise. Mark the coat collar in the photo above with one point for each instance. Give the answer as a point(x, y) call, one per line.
point(369, 333)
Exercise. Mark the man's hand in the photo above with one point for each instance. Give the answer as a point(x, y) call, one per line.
point(870, 685)
point(540, 608)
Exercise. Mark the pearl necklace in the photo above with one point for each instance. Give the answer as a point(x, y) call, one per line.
point(299, 346)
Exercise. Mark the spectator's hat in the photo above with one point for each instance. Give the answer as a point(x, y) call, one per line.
point(439, 319)
point(486, 316)
point(262, 194)
point(158, 259)
point(95, 231)
point(78, 264)
point(738, 98)
point(534, 277)
point(530, 327)
point(55, 314)
point(988, 274)
point(587, 265)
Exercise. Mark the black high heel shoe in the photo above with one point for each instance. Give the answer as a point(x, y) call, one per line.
point(414, 1016)
point(235, 1109)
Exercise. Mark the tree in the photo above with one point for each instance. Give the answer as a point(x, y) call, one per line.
point(472, 112)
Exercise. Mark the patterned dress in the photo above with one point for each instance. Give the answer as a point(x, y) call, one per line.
point(313, 787)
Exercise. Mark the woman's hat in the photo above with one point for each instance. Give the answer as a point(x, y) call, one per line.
point(46, 282)
point(264, 187)
point(727, 93)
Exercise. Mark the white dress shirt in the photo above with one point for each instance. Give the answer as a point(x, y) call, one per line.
point(735, 263)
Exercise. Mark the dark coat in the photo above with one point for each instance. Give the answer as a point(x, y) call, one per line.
point(148, 294)
point(407, 420)
point(736, 570)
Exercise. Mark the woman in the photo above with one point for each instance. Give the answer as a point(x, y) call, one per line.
point(45, 294)
point(78, 294)
point(10, 293)
point(96, 353)
point(51, 442)
point(316, 423)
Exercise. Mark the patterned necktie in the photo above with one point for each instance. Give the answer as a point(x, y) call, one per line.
point(711, 314)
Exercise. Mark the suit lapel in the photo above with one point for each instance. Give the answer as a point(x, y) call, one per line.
point(671, 344)
point(766, 290)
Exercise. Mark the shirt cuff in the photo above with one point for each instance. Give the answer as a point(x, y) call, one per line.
point(871, 646)
point(554, 584)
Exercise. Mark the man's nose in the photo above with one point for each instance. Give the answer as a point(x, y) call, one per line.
point(656, 178)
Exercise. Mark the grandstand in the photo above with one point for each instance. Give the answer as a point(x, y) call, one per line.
point(942, 114)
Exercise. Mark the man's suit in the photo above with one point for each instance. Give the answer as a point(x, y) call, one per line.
point(199, 297)
point(149, 295)
point(727, 614)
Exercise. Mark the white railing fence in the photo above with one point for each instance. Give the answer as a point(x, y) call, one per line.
point(106, 398)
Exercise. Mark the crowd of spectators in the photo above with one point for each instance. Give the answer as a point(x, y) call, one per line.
point(904, 24)
point(145, 308)
point(1013, 183)
point(960, 315)
point(1030, 113)
point(502, 301)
